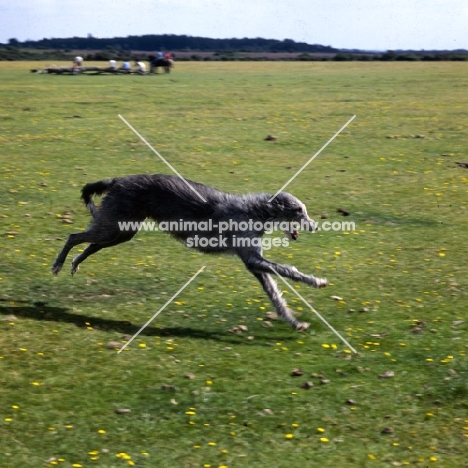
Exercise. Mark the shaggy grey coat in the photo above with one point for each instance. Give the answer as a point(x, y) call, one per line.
point(166, 198)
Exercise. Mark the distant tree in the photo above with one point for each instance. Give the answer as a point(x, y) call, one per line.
point(389, 55)
point(407, 57)
point(342, 57)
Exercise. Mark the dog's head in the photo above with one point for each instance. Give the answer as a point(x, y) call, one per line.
point(286, 207)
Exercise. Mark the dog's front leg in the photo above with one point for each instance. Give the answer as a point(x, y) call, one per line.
point(271, 288)
point(254, 261)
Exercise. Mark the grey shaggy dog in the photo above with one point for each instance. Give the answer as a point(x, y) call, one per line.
point(166, 198)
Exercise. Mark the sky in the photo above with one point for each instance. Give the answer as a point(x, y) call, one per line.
point(348, 24)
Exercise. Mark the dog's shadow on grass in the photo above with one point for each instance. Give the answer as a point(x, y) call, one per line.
point(42, 312)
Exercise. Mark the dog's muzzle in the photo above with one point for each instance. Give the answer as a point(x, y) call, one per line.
point(305, 224)
point(291, 235)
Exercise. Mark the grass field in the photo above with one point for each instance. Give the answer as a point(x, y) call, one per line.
point(403, 270)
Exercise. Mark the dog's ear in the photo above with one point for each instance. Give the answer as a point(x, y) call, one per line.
point(277, 208)
point(279, 203)
point(285, 202)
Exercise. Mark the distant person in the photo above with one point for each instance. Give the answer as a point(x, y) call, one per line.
point(126, 66)
point(77, 63)
point(169, 56)
point(113, 64)
point(160, 55)
point(141, 67)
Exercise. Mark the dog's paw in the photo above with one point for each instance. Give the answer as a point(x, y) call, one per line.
point(302, 326)
point(316, 282)
point(321, 282)
point(75, 266)
point(56, 268)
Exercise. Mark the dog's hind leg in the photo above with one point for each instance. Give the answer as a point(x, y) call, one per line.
point(93, 248)
point(73, 239)
point(97, 237)
point(276, 296)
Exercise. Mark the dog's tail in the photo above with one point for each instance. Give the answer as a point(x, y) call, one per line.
point(95, 188)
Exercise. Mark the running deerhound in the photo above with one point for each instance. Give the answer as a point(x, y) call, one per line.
point(225, 222)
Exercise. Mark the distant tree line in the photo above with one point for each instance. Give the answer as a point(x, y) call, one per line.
point(403, 56)
point(200, 48)
point(9, 53)
point(171, 42)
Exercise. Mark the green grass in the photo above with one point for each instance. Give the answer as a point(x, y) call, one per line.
point(406, 262)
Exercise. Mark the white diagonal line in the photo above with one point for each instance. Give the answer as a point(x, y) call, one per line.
point(160, 157)
point(313, 310)
point(312, 158)
point(161, 309)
